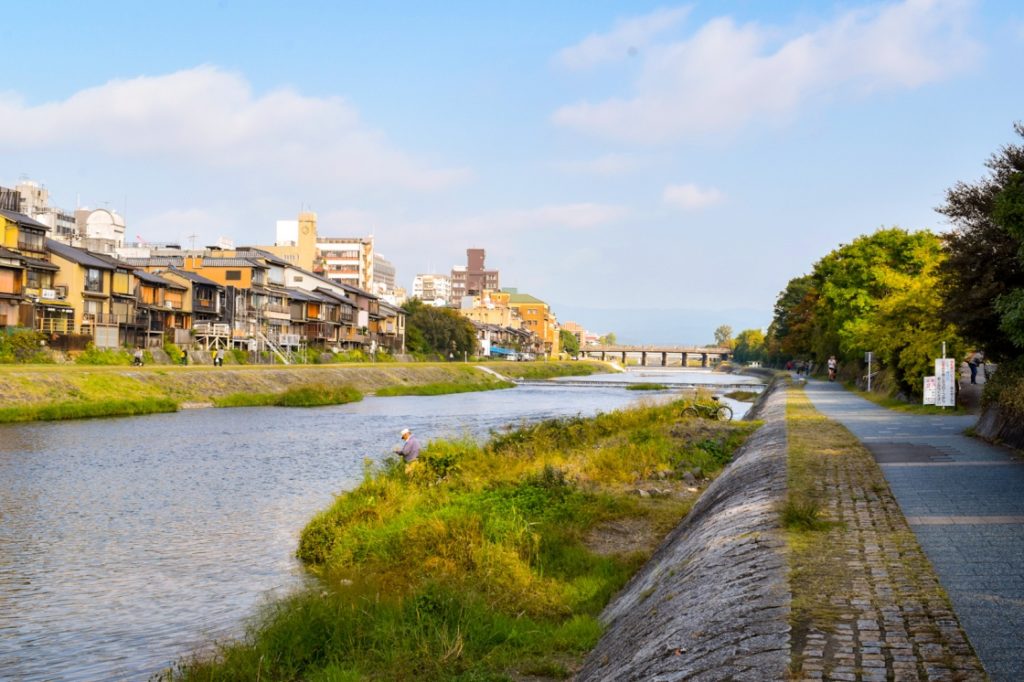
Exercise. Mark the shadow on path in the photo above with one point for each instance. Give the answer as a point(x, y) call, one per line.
point(964, 500)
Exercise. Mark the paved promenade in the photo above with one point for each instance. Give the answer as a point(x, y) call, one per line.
point(964, 501)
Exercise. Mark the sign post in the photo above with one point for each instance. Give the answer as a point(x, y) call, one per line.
point(930, 390)
point(945, 382)
point(867, 359)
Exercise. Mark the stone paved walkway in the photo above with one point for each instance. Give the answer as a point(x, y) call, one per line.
point(964, 501)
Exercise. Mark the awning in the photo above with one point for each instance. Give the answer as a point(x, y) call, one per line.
point(498, 350)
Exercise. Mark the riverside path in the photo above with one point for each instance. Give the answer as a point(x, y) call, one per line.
point(964, 500)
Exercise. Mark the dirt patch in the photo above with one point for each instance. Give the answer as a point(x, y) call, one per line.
point(623, 536)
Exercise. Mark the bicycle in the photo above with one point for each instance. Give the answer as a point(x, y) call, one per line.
point(712, 410)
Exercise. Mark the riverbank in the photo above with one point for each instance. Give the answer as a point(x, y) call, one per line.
point(51, 392)
point(490, 561)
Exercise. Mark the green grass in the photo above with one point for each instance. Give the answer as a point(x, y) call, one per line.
point(313, 395)
point(647, 387)
point(443, 388)
point(901, 406)
point(475, 563)
point(743, 396)
point(547, 370)
point(85, 410)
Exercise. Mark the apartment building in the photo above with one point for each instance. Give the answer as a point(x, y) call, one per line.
point(432, 289)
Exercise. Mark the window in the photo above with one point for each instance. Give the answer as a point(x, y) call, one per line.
point(233, 275)
point(298, 278)
point(94, 280)
point(30, 241)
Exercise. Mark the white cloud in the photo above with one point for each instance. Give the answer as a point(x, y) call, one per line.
point(212, 118)
point(626, 39)
point(690, 197)
point(726, 75)
point(607, 165)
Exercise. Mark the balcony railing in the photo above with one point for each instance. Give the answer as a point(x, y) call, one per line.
point(101, 319)
point(55, 325)
point(214, 329)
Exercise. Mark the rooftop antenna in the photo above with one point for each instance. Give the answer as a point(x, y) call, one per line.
point(192, 240)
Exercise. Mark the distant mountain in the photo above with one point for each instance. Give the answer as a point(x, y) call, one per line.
point(634, 326)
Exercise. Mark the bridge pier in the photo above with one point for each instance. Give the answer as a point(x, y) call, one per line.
point(643, 358)
point(664, 359)
point(703, 359)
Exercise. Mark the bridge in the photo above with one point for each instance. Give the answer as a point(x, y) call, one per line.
point(707, 355)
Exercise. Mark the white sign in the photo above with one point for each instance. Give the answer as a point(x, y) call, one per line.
point(930, 389)
point(945, 385)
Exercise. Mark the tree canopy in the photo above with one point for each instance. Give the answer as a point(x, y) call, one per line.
point(983, 274)
point(879, 293)
point(438, 331)
point(723, 335)
point(568, 342)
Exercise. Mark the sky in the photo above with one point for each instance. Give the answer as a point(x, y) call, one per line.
point(650, 169)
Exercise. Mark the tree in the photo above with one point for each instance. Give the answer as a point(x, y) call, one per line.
point(723, 336)
point(749, 346)
point(438, 331)
point(608, 339)
point(982, 277)
point(569, 343)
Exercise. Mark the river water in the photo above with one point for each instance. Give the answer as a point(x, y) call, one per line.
point(128, 543)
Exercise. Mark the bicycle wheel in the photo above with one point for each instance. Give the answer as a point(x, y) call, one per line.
point(723, 413)
point(690, 412)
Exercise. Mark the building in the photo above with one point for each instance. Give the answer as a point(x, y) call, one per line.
point(432, 289)
point(473, 278)
point(100, 230)
point(383, 276)
point(295, 241)
point(40, 304)
point(33, 200)
point(347, 260)
point(537, 318)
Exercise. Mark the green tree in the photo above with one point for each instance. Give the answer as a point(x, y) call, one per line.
point(569, 343)
point(789, 334)
point(982, 277)
point(723, 336)
point(608, 339)
point(750, 346)
point(438, 331)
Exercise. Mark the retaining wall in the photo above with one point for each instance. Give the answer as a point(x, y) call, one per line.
point(713, 602)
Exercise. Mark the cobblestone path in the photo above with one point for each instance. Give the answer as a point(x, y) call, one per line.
point(964, 503)
point(871, 607)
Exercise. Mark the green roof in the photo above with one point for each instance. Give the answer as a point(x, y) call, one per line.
point(524, 298)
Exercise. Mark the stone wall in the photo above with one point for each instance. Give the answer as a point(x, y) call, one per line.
point(713, 602)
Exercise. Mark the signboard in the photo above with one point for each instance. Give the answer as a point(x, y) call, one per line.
point(945, 382)
point(930, 390)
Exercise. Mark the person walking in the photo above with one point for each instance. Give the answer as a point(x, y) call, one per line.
point(138, 357)
point(832, 365)
point(218, 358)
point(973, 360)
point(409, 450)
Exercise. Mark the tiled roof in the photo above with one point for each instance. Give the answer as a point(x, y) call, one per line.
point(194, 277)
point(77, 255)
point(150, 278)
point(22, 219)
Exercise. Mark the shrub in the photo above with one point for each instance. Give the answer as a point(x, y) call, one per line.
point(240, 356)
point(23, 346)
point(173, 352)
point(104, 356)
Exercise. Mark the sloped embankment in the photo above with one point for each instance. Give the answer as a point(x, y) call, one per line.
point(714, 601)
point(33, 386)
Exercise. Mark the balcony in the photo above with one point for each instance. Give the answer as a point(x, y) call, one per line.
point(101, 319)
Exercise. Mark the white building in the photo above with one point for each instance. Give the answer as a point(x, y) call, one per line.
point(383, 276)
point(34, 200)
point(433, 289)
point(101, 229)
point(348, 260)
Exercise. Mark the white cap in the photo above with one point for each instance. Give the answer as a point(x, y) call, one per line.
point(405, 432)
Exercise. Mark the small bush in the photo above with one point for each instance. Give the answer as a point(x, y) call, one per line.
point(647, 387)
point(240, 356)
point(442, 388)
point(104, 356)
point(174, 352)
point(802, 515)
point(23, 346)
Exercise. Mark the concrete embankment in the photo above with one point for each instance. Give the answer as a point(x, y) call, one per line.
point(39, 385)
point(714, 601)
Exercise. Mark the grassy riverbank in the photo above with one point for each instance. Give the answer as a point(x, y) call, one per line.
point(484, 562)
point(534, 371)
point(46, 392)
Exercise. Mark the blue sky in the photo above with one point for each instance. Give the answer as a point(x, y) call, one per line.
point(686, 160)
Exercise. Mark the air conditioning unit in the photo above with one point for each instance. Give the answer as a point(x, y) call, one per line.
point(61, 291)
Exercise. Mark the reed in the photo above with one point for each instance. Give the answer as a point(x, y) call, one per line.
point(443, 388)
point(86, 410)
point(310, 395)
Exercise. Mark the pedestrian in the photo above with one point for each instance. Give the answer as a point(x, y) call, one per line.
point(832, 365)
point(973, 360)
point(218, 358)
point(409, 450)
point(138, 357)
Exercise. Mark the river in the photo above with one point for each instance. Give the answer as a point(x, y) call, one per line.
point(128, 543)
